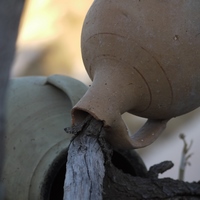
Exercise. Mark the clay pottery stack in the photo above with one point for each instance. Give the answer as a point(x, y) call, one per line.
point(143, 58)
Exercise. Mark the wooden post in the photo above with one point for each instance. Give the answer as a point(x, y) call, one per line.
point(85, 166)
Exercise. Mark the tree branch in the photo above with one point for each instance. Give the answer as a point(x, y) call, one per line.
point(85, 166)
point(92, 174)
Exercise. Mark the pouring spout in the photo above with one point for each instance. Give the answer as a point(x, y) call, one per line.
point(117, 133)
point(103, 102)
point(100, 103)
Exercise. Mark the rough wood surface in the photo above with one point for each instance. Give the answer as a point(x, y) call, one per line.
point(10, 13)
point(91, 173)
point(124, 186)
point(85, 166)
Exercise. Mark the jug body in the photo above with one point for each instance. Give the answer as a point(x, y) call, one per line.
point(143, 58)
point(150, 49)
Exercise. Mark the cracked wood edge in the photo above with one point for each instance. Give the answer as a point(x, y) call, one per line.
point(85, 166)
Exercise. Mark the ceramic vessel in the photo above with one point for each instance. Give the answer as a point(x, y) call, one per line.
point(38, 110)
point(143, 58)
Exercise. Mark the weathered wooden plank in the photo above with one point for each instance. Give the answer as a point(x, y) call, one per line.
point(85, 166)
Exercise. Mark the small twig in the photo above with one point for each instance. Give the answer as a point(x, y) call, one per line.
point(160, 168)
point(184, 156)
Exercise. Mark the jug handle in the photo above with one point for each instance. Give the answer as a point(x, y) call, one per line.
point(148, 133)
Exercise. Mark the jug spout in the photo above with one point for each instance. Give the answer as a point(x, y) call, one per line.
point(101, 102)
point(117, 133)
point(116, 130)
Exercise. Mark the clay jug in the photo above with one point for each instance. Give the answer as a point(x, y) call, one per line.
point(143, 58)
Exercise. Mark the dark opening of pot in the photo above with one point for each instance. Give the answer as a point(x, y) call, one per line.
point(126, 160)
point(56, 191)
point(122, 163)
point(129, 162)
point(52, 187)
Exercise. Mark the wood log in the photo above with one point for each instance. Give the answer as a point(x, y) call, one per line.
point(91, 174)
point(124, 186)
point(85, 166)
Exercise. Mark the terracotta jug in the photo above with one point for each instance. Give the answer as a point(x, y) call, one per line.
point(144, 58)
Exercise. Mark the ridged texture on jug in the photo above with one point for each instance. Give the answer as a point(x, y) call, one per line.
point(143, 58)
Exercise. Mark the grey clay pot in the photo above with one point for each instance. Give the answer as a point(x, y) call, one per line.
point(38, 110)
